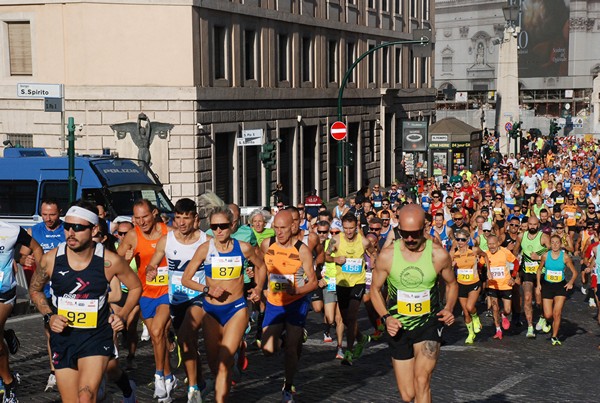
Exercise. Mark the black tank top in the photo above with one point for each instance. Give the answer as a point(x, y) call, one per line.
point(507, 241)
point(82, 295)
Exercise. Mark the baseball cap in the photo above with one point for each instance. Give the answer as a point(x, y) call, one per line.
point(457, 185)
point(487, 226)
point(122, 218)
point(336, 225)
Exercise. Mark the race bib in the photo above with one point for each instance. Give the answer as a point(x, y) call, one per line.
point(560, 200)
point(497, 210)
point(414, 303)
point(352, 266)
point(177, 288)
point(497, 272)
point(80, 313)
point(377, 204)
point(162, 277)
point(554, 276)
point(280, 282)
point(369, 277)
point(465, 275)
point(331, 284)
point(226, 267)
point(531, 267)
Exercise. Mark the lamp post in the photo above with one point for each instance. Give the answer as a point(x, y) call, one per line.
point(507, 106)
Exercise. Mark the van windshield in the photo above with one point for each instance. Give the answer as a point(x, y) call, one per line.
point(117, 172)
point(122, 200)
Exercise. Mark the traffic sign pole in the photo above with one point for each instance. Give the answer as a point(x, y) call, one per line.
point(338, 132)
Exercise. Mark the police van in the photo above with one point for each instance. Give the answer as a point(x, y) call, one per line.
point(30, 175)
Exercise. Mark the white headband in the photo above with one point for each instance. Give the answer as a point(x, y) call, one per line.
point(82, 213)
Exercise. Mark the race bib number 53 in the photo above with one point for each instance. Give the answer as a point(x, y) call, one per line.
point(81, 313)
point(226, 267)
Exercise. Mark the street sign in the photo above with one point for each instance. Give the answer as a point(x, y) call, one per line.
point(39, 90)
point(508, 126)
point(250, 138)
point(52, 104)
point(338, 131)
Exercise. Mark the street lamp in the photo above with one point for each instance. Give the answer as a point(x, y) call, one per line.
point(507, 106)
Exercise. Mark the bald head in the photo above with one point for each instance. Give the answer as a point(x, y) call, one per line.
point(284, 217)
point(533, 220)
point(411, 217)
point(282, 225)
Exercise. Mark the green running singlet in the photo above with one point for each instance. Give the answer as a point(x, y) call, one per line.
point(413, 285)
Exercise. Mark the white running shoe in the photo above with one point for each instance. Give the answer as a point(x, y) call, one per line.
point(145, 333)
point(592, 303)
point(194, 396)
point(170, 384)
point(160, 389)
point(51, 383)
point(583, 290)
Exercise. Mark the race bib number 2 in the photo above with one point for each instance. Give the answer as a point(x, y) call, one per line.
point(80, 313)
point(226, 267)
point(414, 303)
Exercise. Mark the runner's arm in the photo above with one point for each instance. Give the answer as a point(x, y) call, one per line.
point(120, 268)
point(569, 263)
point(192, 267)
point(40, 278)
point(311, 283)
point(157, 257)
point(538, 274)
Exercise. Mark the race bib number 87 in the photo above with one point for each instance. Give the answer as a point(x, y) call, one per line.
point(226, 267)
point(81, 313)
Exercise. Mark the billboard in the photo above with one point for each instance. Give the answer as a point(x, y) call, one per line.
point(414, 136)
point(544, 38)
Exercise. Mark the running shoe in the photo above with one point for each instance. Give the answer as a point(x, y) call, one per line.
point(242, 358)
point(498, 335)
point(170, 384)
point(287, 396)
point(556, 342)
point(592, 303)
point(327, 338)
point(348, 358)
point(547, 327)
point(530, 333)
point(471, 338)
point(292, 389)
point(304, 335)
point(207, 388)
point(360, 346)
point(12, 341)
point(9, 397)
point(541, 323)
point(194, 396)
point(583, 290)
point(340, 354)
point(160, 388)
point(476, 324)
point(145, 333)
point(132, 398)
point(505, 323)
point(51, 384)
point(488, 314)
point(174, 348)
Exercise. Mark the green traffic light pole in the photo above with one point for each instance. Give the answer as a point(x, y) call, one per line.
point(71, 156)
point(340, 153)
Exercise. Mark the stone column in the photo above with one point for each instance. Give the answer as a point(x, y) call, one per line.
point(508, 87)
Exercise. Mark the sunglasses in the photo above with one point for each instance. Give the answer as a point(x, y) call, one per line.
point(334, 232)
point(418, 234)
point(122, 233)
point(513, 225)
point(222, 226)
point(374, 229)
point(300, 208)
point(76, 227)
point(280, 205)
point(385, 219)
point(461, 239)
point(101, 235)
point(457, 218)
point(322, 232)
point(560, 227)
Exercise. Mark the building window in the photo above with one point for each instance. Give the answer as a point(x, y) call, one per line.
point(19, 48)
point(385, 64)
point(372, 65)
point(413, 8)
point(413, 69)
point(398, 71)
point(250, 62)
point(350, 58)
point(332, 58)
point(220, 51)
point(398, 7)
point(446, 64)
point(371, 4)
point(283, 57)
point(426, 10)
point(424, 70)
point(384, 5)
point(307, 62)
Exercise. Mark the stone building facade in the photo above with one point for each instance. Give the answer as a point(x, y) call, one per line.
point(217, 68)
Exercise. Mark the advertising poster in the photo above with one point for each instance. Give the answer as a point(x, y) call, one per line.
point(414, 136)
point(544, 38)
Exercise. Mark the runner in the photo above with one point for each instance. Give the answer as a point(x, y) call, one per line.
point(349, 248)
point(178, 246)
point(533, 243)
point(154, 303)
point(465, 261)
point(411, 267)
point(500, 282)
point(224, 303)
point(291, 278)
point(81, 336)
point(554, 285)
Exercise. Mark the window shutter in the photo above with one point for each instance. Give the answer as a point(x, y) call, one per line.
point(19, 47)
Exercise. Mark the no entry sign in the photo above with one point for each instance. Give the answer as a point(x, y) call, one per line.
point(338, 131)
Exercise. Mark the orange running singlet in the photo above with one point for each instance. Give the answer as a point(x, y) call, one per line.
point(142, 255)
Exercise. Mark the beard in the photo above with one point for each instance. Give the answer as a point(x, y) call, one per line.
point(533, 231)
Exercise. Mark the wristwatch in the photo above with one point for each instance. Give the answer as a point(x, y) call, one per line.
point(206, 289)
point(47, 318)
point(384, 317)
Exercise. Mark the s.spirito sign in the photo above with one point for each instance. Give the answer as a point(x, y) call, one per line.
point(39, 90)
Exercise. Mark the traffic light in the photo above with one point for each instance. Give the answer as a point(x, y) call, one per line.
point(515, 131)
point(553, 128)
point(268, 155)
point(348, 153)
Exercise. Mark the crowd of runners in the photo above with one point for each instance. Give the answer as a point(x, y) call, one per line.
point(513, 237)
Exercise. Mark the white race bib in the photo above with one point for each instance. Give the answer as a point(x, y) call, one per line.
point(554, 276)
point(414, 303)
point(280, 282)
point(81, 313)
point(498, 272)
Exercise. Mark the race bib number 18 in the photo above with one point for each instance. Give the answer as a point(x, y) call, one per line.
point(81, 313)
point(414, 303)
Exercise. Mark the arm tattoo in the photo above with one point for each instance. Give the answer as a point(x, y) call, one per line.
point(38, 280)
point(431, 349)
point(330, 246)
